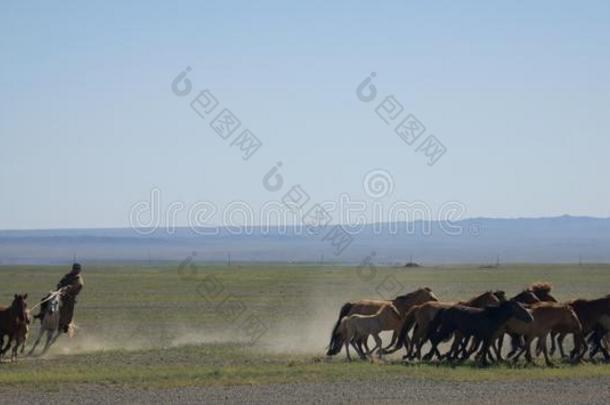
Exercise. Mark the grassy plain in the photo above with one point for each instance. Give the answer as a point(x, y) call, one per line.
point(196, 324)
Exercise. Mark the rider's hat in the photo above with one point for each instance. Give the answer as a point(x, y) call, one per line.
point(76, 267)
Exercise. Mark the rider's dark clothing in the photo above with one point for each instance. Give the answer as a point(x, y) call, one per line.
point(70, 284)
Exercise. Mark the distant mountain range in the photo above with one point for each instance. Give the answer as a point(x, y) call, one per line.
point(564, 239)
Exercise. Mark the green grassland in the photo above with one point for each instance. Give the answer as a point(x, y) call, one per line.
point(172, 325)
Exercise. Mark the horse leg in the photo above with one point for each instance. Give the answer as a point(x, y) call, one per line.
point(433, 350)
point(473, 347)
point(393, 340)
point(364, 341)
point(4, 348)
point(50, 340)
point(428, 356)
point(457, 347)
point(595, 339)
point(605, 353)
point(356, 343)
point(8, 345)
point(553, 345)
point(528, 350)
point(378, 345)
point(435, 338)
point(518, 353)
point(416, 343)
point(515, 343)
point(454, 349)
point(603, 345)
point(412, 351)
point(14, 351)
point(580, 347)
point(57, 335)
point(40, 333)
point(466, 353)
point(498, 347)
point(606, 341)
point(542, 341)
point(560, 339)
point(482, 354)
point(476, 346)
point(438, 353)
point(347, 343)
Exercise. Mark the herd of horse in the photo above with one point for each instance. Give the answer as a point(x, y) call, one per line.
point(475, 327)
point(15, 321)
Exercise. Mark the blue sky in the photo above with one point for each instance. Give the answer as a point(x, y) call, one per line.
point(518, 92)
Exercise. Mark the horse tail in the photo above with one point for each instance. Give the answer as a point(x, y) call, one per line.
point(336, 342)
point(407, 324)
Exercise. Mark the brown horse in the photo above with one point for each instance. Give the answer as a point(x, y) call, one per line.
point(539, 291)
point(420, 316)
point(10, 320)
point(370, 307)
point(592, 314)
point(21, 335)
point(526, 298)
point(547, 317)
point(356, 327)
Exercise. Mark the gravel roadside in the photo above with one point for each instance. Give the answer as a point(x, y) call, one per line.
point(389, 391)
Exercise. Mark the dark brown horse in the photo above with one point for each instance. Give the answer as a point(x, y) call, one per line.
point(480, 323)
point(11, 319)
point(526, 297)
point(419, 318)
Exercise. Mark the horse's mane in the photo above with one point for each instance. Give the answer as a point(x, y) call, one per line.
point(395, 310)
point(488, 292)
point(524, 291)
point(541, 286)
point(500, 294)
point(412, 293)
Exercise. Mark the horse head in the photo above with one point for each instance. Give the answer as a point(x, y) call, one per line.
point(20, 307)
point(543, 291)
point(416, 297)
point(526, 297)
point(53, 305)
point(500, 295)
point(425, 294)
point(519, 311)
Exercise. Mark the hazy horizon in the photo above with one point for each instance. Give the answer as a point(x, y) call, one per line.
point(186, 226)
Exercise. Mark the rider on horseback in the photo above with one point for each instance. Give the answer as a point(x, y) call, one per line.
point(70, 286)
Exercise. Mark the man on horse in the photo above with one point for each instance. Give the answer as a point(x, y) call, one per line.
point(69, 287)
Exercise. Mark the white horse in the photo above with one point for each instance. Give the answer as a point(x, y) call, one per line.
point(49, 323)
